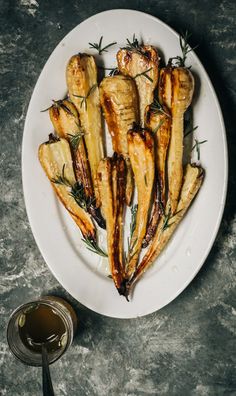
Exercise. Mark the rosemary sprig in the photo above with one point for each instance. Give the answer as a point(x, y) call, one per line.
point(132, 253)
point(93, 247)
point(157, 108)
point(134, 209)
point(84, 98)
point(61, 179)
point(44, 110)
point(179, 61)
point(98, 46)
point(167, 218)
point(190, 131)
point(78, 193)
point(135, 46)
point(57, 104)
point(75, 139)
point(197, 147)
point(145, 74)
point(112, 70)
point(158, 126)
point(132, 226)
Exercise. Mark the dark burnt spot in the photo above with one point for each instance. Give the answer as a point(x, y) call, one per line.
point(147, 55)
point(115, 156)
point(96, 213)
point(148, 116)
point(127, 57)
point(149, 141)
point(135, 128)
point(55, 112)
point(123, 290)
point(52, 139)
point(107, 103)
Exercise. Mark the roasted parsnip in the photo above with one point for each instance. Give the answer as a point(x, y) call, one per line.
point(81, 77)
point(141, 152)
point(192, 182)
point(65, 120)
point(119, 176)
point(165, 86)
point(158, 120)
point(181, 92)
point(142, 66)
point(119, 100)
point(55, 158)
point(155, 213)
point(111, 183)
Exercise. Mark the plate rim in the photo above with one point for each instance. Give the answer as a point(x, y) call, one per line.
point(224, 185)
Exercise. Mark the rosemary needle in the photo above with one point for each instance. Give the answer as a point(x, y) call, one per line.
point(157, 108)
point(179, 61)
point(134, 209)
point(75, 139)
point(134, 46)
point(84, 98)
point(76, 191)
point(99, 48)
point(93, 247)
point(145, 74)
point(197, 147)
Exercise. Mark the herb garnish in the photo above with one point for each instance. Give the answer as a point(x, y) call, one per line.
point(98, 46)
point(76, 191)
point(134, 46)
point(190, 131)
point(145, 74)
point(93, 247)
point(158, 126)
point(134, 209)
point(167, 218)
point(157, 108)
point(75, 139)
point(61, 179)
point(84, 98)
point(57, 104)
point(197, 147)
point(179, 61)
point(112, 70)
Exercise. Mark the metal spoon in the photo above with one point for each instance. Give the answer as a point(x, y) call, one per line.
point(47, 382)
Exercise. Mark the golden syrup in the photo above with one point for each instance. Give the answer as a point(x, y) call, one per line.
point(40, 324)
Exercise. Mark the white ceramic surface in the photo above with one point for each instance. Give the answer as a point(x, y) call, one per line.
point(83, 274)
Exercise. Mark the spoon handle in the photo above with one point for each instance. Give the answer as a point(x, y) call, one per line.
point(47, 382)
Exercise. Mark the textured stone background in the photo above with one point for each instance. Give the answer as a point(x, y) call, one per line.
point(187, 348)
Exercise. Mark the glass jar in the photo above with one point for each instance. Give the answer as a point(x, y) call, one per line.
point(61, 308)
